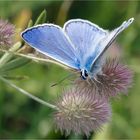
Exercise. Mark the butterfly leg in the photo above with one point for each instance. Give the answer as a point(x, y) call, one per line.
point(97, 84)
point(97, 80)
point(94, 82)
point(88, 81)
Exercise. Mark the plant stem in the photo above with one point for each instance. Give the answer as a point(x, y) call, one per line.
point(28, 94)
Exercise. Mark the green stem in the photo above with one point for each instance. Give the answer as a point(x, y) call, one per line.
point(28, 94)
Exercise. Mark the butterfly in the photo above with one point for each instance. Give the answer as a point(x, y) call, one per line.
point(79, 45)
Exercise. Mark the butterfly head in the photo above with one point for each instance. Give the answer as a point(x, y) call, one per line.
point(84, 74)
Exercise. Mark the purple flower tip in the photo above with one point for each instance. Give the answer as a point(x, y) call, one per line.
point(81, 112)
point(6, 33)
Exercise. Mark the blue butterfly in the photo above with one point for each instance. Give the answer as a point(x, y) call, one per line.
point(79, 45)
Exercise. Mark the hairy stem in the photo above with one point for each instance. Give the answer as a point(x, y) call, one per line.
point(28, 94)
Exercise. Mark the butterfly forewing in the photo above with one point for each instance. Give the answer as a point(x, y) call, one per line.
point(50, 40)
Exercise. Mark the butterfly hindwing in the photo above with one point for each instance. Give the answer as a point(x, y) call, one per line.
point(106, 42)
point(85, 36)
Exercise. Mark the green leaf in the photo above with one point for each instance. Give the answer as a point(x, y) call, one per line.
point(15, 77)
point(16, 63)
point(30, 23)
point(42, 18)
point(7, 56)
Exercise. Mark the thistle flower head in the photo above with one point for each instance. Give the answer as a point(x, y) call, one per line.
point(81, 112)
point(115, 78)
point(6, 33)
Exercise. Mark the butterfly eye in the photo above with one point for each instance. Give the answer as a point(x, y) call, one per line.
point(86, 74)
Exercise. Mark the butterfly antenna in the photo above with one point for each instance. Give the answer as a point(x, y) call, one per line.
point(70, 75)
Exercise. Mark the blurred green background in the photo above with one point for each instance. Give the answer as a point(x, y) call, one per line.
point(21, 117)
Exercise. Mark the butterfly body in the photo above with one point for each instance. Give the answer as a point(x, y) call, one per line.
point(79, 45)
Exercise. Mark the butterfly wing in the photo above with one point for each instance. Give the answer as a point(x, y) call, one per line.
point(106, 42)
point(91, 41)
point(85, 36)
point(50, 40)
